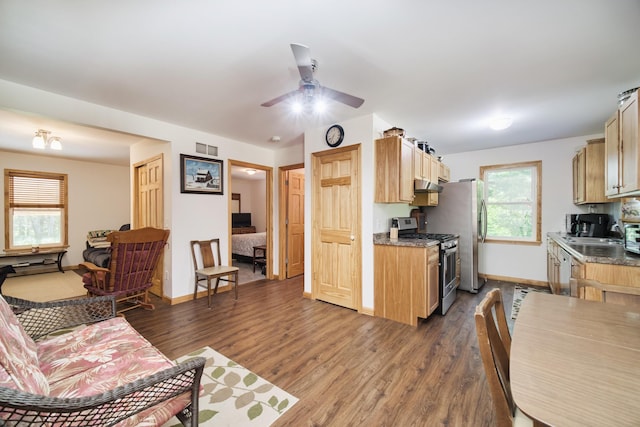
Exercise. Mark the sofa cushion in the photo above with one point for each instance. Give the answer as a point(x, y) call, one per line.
point(103, 356)
point(87, 348)
point(19, 367)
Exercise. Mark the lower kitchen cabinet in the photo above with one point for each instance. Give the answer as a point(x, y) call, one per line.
point(405, 282)
point(611, 283)
point(617, 284)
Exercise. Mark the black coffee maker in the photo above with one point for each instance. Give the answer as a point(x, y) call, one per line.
point(592, 225)
point(571, 225)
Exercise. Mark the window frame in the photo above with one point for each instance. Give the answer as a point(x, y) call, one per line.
point(536, 165)
point(62, 178)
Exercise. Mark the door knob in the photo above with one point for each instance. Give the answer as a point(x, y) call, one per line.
point(352, 237)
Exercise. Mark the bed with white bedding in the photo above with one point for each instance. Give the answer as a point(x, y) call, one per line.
point(242, 244)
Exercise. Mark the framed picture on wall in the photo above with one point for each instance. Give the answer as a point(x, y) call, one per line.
point(200, 175)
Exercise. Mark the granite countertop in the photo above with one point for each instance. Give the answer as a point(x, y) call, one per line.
point(598, 254)
point(383, 239)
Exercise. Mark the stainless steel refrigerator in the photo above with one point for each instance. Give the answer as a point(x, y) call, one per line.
point(461, 210)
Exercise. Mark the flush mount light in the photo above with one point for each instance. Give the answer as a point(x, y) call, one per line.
point(250, 171)
point(500, 123)
point(42, 140)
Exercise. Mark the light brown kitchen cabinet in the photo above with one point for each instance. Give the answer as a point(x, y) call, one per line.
point(594, 290)
point(429, 199)
point(622, 167)
point(421, 164)
point(588, 173)
point(614, 283)
point(444, 173)
point(405, 282)
point(432, 198)
point(394, 170)
point(433, 277)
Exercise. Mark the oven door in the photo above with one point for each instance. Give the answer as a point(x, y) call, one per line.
point(447, 278)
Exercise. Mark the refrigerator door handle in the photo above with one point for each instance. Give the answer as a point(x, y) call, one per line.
point(483, 220)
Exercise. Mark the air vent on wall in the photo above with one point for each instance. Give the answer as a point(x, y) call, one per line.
point(211, 150)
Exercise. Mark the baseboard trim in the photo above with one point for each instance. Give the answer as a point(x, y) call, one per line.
point(515, 280)
point(366, 311)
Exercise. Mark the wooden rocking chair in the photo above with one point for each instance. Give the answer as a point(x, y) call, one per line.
point(134, 257)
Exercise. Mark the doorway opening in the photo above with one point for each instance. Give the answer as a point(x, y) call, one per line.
point(250, 220)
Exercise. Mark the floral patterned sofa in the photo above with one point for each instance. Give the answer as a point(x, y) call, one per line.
point(102, 373)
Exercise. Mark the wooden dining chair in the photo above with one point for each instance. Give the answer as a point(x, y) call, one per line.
point(494, 341)
point(207, 266)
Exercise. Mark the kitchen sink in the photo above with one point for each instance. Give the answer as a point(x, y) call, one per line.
point(597, 241)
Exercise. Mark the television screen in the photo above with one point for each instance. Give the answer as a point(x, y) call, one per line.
point(240, 220)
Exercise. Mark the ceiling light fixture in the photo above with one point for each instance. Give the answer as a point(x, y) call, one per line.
point(500, 123)
point(250, 171)
point(42, 140)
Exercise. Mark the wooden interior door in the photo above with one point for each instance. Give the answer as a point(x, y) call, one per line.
point(336, 239)
point(149, 208)
point(295, 223)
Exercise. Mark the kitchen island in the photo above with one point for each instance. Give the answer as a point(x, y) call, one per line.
point(613, 272)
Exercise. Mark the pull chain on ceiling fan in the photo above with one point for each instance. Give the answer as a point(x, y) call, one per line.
point(309, 88)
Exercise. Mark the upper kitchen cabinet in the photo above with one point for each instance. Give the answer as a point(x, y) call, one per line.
point(444, 173)
point(430, 198)
point(588, 173)
point(394, 170)
point(421, 164)
point(621, 148)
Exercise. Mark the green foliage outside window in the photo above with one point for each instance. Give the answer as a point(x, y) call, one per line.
point(37, 227)
point(512, 200)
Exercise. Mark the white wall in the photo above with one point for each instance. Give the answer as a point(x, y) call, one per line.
point(526, 261)
point(98, 195)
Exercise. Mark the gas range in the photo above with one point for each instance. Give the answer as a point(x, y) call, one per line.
point(408, 229)
point(429, 236)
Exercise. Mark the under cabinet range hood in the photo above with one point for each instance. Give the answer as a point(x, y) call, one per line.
point(424, 186)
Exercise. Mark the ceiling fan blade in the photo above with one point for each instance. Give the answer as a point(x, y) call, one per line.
point(302, 54)
point(280, 98)
point(345, 98)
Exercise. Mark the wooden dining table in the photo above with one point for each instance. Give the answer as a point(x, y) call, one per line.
point(575, 362)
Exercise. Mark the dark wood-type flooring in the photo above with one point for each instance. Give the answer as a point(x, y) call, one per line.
point(346, 368)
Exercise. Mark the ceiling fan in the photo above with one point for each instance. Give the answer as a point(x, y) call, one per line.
point(310, 89)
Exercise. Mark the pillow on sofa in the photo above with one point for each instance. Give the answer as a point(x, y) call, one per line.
point(19, 367)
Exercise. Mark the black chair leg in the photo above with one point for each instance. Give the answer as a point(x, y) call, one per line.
point(4, 270)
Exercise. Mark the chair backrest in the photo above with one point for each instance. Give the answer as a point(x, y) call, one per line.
point(134, 257)
point(205, 253)
point(494, 341)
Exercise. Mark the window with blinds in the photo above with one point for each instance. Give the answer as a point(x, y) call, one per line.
point(35, 209)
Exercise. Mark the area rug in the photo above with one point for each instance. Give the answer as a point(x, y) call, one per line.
point(235, 396)
point(45, 287)
point(519, 293)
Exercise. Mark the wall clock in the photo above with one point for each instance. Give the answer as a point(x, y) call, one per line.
point(334, 136)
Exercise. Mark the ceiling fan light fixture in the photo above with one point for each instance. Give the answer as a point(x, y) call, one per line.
point(500, 123)
point(297, 107)
point(319, 106)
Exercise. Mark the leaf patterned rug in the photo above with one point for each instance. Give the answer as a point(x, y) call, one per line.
point(519, 293)
point(235, 396)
